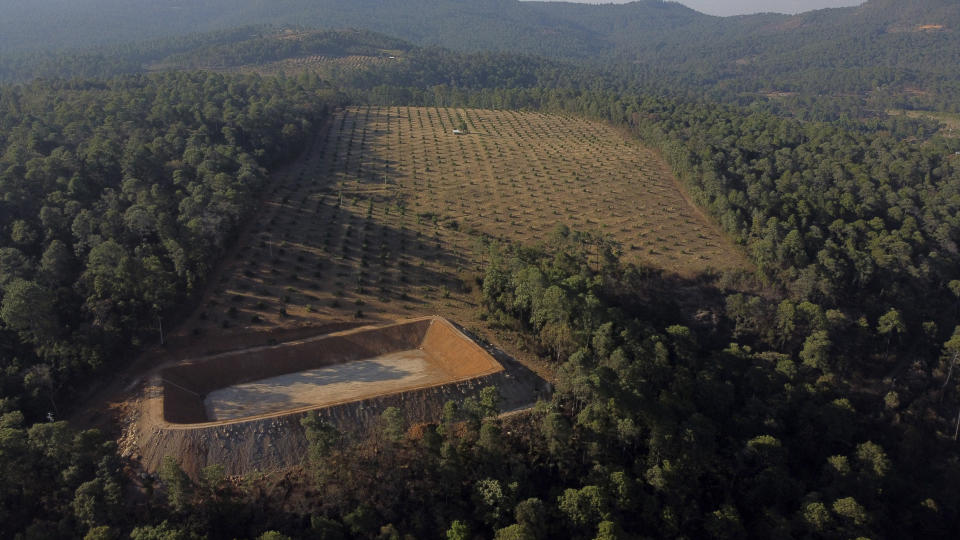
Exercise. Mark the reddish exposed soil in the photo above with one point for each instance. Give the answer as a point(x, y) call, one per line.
point(172, 418)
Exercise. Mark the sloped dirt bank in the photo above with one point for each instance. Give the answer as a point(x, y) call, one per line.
point(173, 421)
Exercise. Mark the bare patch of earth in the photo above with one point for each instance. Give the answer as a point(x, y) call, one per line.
point(328, 385)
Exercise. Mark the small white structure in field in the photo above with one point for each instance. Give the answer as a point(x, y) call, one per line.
point(458, 132)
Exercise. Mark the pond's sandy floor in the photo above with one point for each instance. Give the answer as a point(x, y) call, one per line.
point(325, 386)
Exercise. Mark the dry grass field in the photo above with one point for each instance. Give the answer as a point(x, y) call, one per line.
point(383, 217)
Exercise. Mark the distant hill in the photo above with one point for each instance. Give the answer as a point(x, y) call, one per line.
point(881, 46)
point(557, 29)
point(547, 28)
point(265, 47)
point(906, 49)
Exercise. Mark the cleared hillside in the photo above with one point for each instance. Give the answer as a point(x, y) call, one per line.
point(323, 65)
point(390, 212)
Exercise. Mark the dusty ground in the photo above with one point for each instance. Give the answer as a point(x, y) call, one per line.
point(320, 370)
point(325, 386)
point(383, 218)
point(352, 376)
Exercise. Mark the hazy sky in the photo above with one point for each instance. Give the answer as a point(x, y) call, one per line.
point(740, 7)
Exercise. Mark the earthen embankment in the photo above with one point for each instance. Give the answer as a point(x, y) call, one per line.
point(174, 423)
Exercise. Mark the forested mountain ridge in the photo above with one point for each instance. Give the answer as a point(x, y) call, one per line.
point(887, 54)
point(554, 28)
point(486, 24)
point(208, 50)
point(267, 46)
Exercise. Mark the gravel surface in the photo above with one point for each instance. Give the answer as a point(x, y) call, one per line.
point(325, 386)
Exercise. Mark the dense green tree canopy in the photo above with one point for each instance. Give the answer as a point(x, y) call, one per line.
point(814, 397)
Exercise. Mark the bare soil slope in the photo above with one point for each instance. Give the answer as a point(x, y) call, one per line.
point(384, 215)
point(242, 409)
